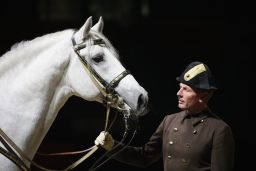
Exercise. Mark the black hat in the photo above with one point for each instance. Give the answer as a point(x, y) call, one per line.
point(198, 76)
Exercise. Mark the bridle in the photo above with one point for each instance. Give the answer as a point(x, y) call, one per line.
point(111, 99)
point(107, 89)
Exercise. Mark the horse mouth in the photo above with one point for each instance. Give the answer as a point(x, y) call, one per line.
point(142, 107)
point(127, 108)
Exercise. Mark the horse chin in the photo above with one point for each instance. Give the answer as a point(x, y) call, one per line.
point(142, 109)
point(139, 109)
point(141, 112)
point(132, 122)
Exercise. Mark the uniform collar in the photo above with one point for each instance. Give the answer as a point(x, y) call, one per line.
point(195, 118)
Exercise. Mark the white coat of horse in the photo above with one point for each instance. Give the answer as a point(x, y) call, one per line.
point(37, 77)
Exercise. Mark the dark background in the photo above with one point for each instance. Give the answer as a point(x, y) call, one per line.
point(156, 41)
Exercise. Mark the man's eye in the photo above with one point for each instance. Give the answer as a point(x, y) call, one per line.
point(98, 58)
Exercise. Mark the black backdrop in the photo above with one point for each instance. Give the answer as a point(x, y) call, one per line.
point(156, 40)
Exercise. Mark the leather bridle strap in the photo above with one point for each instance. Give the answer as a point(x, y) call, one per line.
point(90, 71)
point(14, 158)
point(95, 77)
point(72, 166)
point(11, 154)
point(9, 144)
point(94, 148)
point(114, 83)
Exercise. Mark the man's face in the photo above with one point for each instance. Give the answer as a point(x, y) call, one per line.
point(188, 99)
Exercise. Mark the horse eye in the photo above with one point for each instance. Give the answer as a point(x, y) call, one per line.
point(98, 58)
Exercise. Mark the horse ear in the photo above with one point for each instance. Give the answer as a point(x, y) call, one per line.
point(83, 31)
point(87, 26)
point(98, 26)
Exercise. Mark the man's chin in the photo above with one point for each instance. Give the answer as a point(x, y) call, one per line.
point(182, 107)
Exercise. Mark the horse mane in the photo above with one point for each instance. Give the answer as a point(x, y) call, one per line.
point(28, 48)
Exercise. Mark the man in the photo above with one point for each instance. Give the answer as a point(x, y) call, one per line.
point(194, 139)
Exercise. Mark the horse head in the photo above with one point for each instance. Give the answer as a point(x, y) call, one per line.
point(96, 73)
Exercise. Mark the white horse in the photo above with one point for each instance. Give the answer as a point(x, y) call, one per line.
point(37, 77)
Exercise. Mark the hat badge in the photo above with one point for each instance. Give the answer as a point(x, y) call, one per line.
point(194, 72)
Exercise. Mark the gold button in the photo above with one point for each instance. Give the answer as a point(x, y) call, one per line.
point(195, 131)
point(202, 121)
point(169, 156)
point(184, 160)
point(171, 142)
point(175, 129)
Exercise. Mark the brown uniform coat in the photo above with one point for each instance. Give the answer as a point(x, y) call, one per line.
point(200, 143)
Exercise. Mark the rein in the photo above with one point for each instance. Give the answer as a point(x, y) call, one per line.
point(13, 152)
point(111, 99)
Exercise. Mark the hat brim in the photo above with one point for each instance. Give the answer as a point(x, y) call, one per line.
point(187, 83)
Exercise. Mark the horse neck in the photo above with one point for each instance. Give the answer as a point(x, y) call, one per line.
point(33, 91)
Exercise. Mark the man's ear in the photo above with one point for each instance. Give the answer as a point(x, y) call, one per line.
point(203, 97)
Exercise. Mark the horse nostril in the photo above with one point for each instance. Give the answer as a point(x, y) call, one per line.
point(142, 102)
